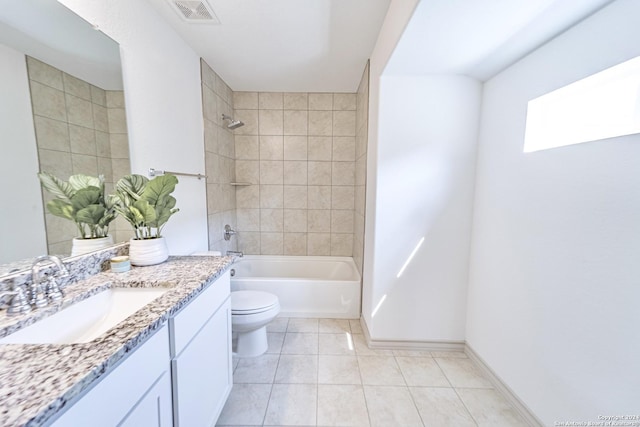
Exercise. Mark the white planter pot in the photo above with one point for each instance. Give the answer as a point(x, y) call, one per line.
point(83, 246)
point(148, 251)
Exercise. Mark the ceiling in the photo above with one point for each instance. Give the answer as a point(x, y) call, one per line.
point(479, 38)
point(285, 45)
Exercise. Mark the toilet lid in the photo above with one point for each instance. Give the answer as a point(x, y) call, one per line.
point(243, 302)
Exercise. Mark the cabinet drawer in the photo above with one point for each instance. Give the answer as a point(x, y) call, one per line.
point(188, 322)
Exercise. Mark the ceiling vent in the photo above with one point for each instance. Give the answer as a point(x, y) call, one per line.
point(195, 11)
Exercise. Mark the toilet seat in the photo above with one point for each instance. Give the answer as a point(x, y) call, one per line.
point(252, 302)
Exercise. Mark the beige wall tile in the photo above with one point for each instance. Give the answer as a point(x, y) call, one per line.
point(248, 171)
point(295, 172)
point(226, 145)
point(295, 244)
point(342, 197)
point(117, 120)
point(319, 148)
point(56, 163)
point(295, 196)
point(319, 173)
point(79, 111)
point(250, 119)
point(209, 104)
point(271, 243)
point(99, 96)
point(270, 122)
point(319, 244)
point(344, 148)
point(342, 221)
point(342, 173)
point(318, 221)
point(320, 123)
point(82, 140)
point(344, 123)
point(271, 147)
point(121, 167)
point(270, 100)
point(115, 99)
point(212, 167)
point(249, 242)
point(271, 220)
point(341, 244)
point(321, 101)
point(295, 220)
point(248, 219)
point(48, 102)
point(214, 198)
point(44, 73)
point(119, 143)
point(51, 134)
point(296, 101)
point(271, 196)
point(210, 136)
point(319, 197)
point(271, 172)
point(247, 147)
point(295, 148)
point(248, 196)
point(295, 122)
point(105, 168)
point(245, 100)
point(344, 101)
point(76, 87)
point(87, 165)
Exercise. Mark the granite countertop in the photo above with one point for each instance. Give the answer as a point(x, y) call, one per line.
point(37, 381)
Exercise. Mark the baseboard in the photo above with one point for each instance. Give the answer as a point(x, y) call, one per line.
point(499, 385)
point(410, 345)
point(504, 389)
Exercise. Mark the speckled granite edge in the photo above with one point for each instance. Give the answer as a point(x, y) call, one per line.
point(37, 381)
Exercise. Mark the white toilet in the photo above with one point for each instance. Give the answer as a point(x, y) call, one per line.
point(251, 311)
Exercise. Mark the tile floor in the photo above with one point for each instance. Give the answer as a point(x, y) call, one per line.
point(320, 372)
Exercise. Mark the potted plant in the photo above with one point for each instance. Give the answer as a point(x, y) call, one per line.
point(82, 200)
point(147, 205)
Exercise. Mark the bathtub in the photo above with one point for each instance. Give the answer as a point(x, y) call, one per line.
point(307, 286)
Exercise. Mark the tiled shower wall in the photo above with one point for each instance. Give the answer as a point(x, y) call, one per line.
point(80, 128)
point(297, 153)
point(362, 123)
point(217, 99)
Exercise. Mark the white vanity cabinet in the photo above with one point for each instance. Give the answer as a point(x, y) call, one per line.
point(136, 393)
point(201, 357)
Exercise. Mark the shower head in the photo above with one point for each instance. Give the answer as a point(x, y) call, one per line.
point(233, 124)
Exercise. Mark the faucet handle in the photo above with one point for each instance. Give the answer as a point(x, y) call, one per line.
point(19, 303)
point(53, 291)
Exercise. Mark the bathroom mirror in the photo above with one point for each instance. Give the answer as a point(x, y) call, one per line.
point(61, 111)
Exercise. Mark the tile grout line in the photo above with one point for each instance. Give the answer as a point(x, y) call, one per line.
point(456, 392)
point(406, 385)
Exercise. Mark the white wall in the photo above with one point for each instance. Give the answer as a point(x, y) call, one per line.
point(425, 171)
point(21, 211)
point(161, 76)
point(420, 184)
point(555, 271)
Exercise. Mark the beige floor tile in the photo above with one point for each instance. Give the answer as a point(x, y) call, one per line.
point(391, 406)
point(356, 328)
point(342, 405)
point(362, 349)
point(422, 371)
point(256, 370)
point(341, 343)
point(490, 409)
point(300, 343)
point(275, 341)
point(441, 407)
point(380, 370)
point(279, 324)
point(234, 362)
point(412, 353)
point(246, 405)
point(292, 404)
point(302, 325)
point(338, 370)
point(463, 373)
point(297, 369)
point(334, 326)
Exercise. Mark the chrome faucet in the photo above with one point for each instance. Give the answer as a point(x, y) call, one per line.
point(236, 253)
point(18, 303)
point(228, 232)
point(38, 296)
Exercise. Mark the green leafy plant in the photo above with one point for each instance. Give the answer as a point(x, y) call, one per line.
point(81, 200)
point(146, 204)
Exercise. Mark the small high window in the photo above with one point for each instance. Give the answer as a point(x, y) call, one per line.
point(603, 105)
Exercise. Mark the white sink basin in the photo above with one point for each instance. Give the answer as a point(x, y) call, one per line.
point(86, 320)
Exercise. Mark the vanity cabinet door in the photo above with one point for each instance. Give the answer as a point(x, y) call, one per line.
point(154, 409)
point(202, 374)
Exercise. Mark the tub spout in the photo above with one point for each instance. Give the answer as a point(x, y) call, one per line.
point(235, 253)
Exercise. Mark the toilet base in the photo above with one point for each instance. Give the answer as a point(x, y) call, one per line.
point(252, 343)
